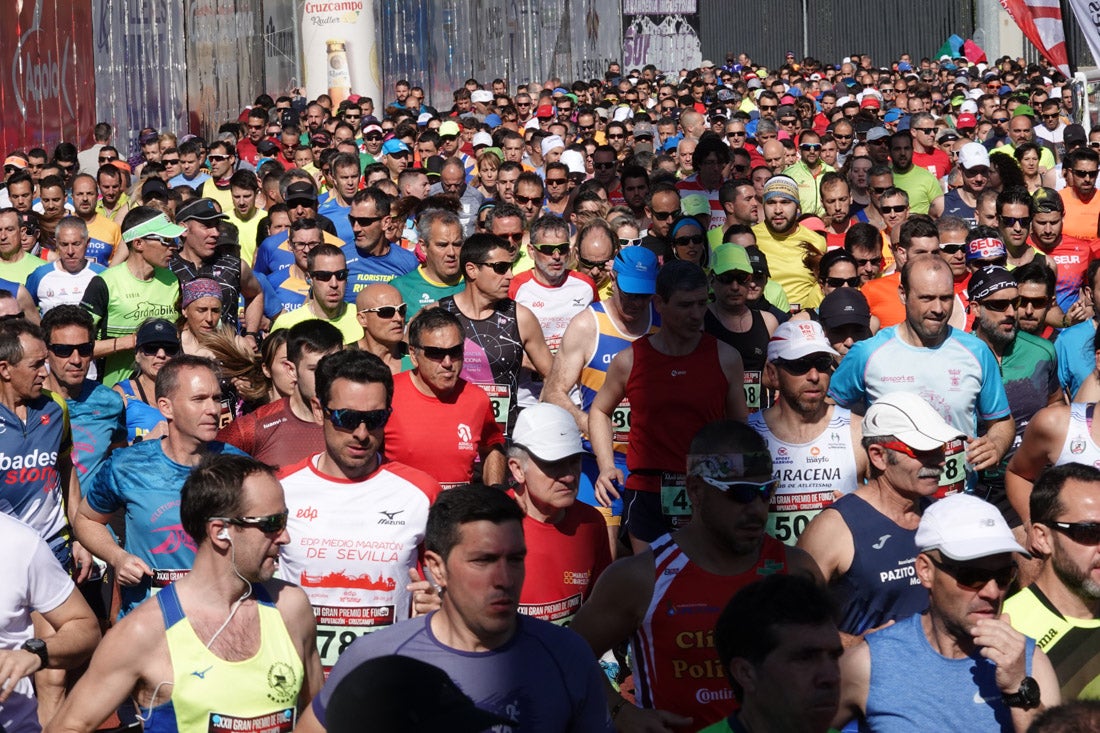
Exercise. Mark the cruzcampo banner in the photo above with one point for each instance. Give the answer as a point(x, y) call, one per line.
point(340, 50)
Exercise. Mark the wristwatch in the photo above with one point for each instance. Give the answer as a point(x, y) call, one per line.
point(37, 646)
point(1027, 697)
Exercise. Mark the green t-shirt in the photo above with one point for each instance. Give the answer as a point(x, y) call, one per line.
point(418, 291)
point(922, 187)
point(120, 303)
point(18, 272)
point(346, 322)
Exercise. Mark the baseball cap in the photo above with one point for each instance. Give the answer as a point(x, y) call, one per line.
point(877, 133)
point(1074, 135)
point(301, 191)
point(909, 418)
point(966, 121)
point(694, 204)
point(448, 127)
point(482, 139)
point(844, 307)
point(481, 96)
point(574, 161)
point(14, 161)
point(964, 527)
point(729, 256)
point(200, 210)
point(636, 271)
point(157, 331)
point(973, 155)
point(870, 101)
point(947, 135)
point(550, 143)
point(892, 116)
point(394, 145)
point(157, 226)
point(547, 432)
point(381, 688)
point(796, 339)
point(154, 188)
point(758, 260)
point(544, 110)
point(644, 129)
point(1047, 201)
point(988, 280)
point(373, 127)
point(985, 248)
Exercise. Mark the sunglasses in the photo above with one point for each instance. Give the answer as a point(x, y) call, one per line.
point(952, 249)
point(153, 349)
point(623, 242)
point(162, 241)
point(217, 158)
point(797, 367)
point(894, 209)
point(269, 524)
point(840, 282)
point(1095, 145)
point(325, 275)
point(374, 137)
point(1000, 120)
point(594, 264)
point(925, 130)
point(743, 492)
point(663, 215)
point(172, 161)
point(838, 136)
point(604, 166)
point(524, 200)
point(689, 239)
point(810, 146)
point(976, 578)
point(1050, 117)
point(515, 237)
point(1085, 533)
point(1084, 173)
point(554, 182)
point(766, 107)
point(880, 189)
point(1022, 221)
point(1000, 306)
point(499, 267)
point(348, 419)
point(612, 137)
point(733, 276)
point(66, 350)
point(439, 353)
point(365, 221)
point(388, 311)
point(1035, 303)
point(549, 250)
point(106, 159)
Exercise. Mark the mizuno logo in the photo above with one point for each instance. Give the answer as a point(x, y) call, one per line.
point(202, 675)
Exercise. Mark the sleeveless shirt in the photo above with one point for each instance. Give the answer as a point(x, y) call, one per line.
point(224, 269)
point(1079, 446)
point(753, 347)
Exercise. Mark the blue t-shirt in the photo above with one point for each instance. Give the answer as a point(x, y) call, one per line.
point(338, 215)
point(273, 303)
point(545, 677)
point(30, 485)
point(146, 483)
point(1076, 357)
point(960, 378)
point(195, 183)
point(141, 418)
point(98, 421)
point(273, 254)
point(364, 270)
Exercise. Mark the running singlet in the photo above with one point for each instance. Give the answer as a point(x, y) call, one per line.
point(1079, 446)
point(676, 667)
point(352, 544)
point(419, 292)
point(811, 475)
point(672, 396)
point(211, 695)
point(881, 584)
point(146, 483)
point(609, 341)
point(752, 345)
point(31, 489)
point(462, 426)
point(51, 286)
point(493, 357)
point(563, 562)
point(1072, 256)
point(274, 434)
point(1072, 644)
point(225, 269)
point(141, 418)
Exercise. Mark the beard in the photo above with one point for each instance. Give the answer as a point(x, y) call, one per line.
point(1074, 578)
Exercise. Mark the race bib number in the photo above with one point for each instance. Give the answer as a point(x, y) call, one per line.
point(953, 476)
point(281, 721)
point(557, 612)
point(753, 389)
point(620, 422)
point(789, 514)
point(338, 627)
point(500, 399)
point(162, 578)
point(674, 497)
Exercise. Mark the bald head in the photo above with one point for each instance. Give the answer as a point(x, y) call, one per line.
point(774, 154)
point(693, 123)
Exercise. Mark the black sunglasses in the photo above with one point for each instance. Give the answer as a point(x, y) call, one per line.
point(894, 209)
point(365, 221)
point(876, 261)
point(974, 577)
point(326, 275)
point(269, 524)
point(840, 282)
point(743, 492)
point(66, 350)
point(348, 419)
point(797, 367)
point(387, 312)
point(439, 353)
point(688, 239)
point(952, 249)
point(1011, 221)
point(152, 349)
point(1000, 306)
point(663, 215)
point(733, 276)
point(499, 268)
point(1085, 533)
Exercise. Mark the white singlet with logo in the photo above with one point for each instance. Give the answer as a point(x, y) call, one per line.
point(1079, 446)
point(811, 475)
point(352, 544)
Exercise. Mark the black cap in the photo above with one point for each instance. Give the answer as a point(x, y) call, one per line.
point(987, 281)
point(1074, 135)
point(758, 261)
point(157, 331)
point(301, 191)
point(29, 221)
point(154, 188)
point(267, 148)
point(379, 690)
point(433, 166)
point(843, 307)
point(199, 210)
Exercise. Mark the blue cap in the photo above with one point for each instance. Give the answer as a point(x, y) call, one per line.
point(672, 142)
point(394, 145)
point(892, 116)
point(636, 270)
point(904, 66)
point(493, 120)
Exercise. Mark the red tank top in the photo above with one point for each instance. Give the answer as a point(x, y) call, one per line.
point(671, 397)
point(676, 666)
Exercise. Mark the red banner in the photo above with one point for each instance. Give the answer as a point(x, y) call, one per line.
point(47, 74)
point(1041, 22)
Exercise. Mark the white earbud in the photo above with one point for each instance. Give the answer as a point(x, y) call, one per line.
point(224, 535)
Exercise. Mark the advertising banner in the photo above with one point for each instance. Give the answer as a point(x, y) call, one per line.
point(664, 33)
point(47, 93)
point(340, 49)
point(1041, 22)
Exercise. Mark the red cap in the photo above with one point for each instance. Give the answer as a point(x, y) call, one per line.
point(544, 111)
point(870, 102)
point(966, 121)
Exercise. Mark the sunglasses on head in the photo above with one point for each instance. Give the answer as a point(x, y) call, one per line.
point(499, 267)
point(326, 275)
point(153, 349)
point(439, 353)
point(1084, 533)
point(743, 492)
point(797, 367)
point(348, 419)
point(66, 350)
point(974, 577)
point(549, 250)
point(387, 312)
point(840, 282)
point(269, 524)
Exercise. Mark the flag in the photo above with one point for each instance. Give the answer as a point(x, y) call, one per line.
point(1041, 22)
point(1087, 18)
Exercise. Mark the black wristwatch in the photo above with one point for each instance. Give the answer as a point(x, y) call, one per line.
point(1027, 697)
point(37, 646)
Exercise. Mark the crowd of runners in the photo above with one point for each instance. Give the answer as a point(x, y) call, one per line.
point(737, 399)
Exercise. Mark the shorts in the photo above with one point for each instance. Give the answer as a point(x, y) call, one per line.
point(586, 491)
point(643, 517)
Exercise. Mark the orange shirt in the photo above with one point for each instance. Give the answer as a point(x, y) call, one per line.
point(885, 300)
point(1081, 218)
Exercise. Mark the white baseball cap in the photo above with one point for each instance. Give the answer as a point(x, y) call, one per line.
point(973, 155)
point(547, 432)
point(551, 142)
point(964, 527)
point(481, 95)
point(482, 139)
point(909, 418)
point(796, 339)
point(573, 160)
